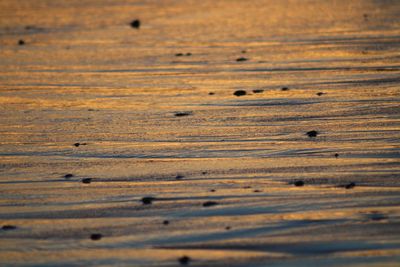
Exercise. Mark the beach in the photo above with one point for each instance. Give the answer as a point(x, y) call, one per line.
point(206, 133)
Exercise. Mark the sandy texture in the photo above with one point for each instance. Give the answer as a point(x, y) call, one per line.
point(150, 122)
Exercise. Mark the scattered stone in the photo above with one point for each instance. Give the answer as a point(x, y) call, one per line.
point(179, 177)
point(184, 260)
point(257, 191)
point(212, 190)
point(228, 228)
point(258, 91)
point(336, 155)
point(96, 237)
point(86, 180)
point(209, 203)
point(69, 175)
point(148, 200)
point(21, 42)
point(80, 144)
point(285, 89)
point(241, 59)
point(320, 93)
point(211, 93)
point(204, 172)
point(188, 54)
point(182, 114)
point(247, 187)
point(135, 24)
point(350, 185)
point(299, 183)
point(179, 55)
point(312, 133)
point(166, 222)
point(8, 227)
point(239, 93)
point(376, 216)
point(244, 51)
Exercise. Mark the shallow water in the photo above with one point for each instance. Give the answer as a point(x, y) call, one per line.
point(85, 76)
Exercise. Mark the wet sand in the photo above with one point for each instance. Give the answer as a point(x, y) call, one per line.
point(181, 165)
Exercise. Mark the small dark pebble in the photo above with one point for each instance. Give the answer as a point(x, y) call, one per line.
point(182, 114)
point(96, 236)
point(228, 228)
point(241, 59)
point(80, 144)
point(86, 180)
point(69, 175)
point(147, 200)
point(8, 227)
point(184, 260)
point(299, 183)
point(244, 51)
point(312, 133)
point(284, 89)
point(320, 93)
point(178, 177)
point(376, 216)
point(204, 173)
point(336, 155)
point(350, 185)
point(166, 222)
point(257, 91)
point(239, 92)
point(188, 54)
point(178, 54)
point(257, 191)
point(212, 190)
point(135, 24)
point(211, 93)
point(209, 203)
point(21, 42)
point(246, 187)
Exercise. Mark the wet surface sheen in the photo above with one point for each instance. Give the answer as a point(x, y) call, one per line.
point(151, 112)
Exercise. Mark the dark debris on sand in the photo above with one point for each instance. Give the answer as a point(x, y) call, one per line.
point(285, 89)
point(135, 24)
point(179, 177)
point(299, 183)
point(68, 175)
point(336, 155)
point(80, 144)
point(184, 260)
point(96, 236)
point(312, 133)
point(241, 59)
point(350, 185)
point(86, 180)
point(320, 93)
point(240, 93)
point(258, 91)
point(209, 203)
point(21, 42)
point(166, 222)
point(148, 200)
point(8, 227)
point(182, 114)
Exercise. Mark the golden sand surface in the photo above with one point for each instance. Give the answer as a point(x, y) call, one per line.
point(153, 113)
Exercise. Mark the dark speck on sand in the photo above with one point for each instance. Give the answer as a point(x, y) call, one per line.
point(96, 236)
point(147, 200)
point(209, 203)
point(79, 144)
point(350, 185)
point(69, 175)
point(336, 155)
point(320, 93)
point(211, 93)
point(179, 177)
point(258, 91)
point(184, 260)
point(182, 114)
point(241, 59)
point(312, 133)
point(285, 89)
point(86, 180)
point(21, 42)
point(135, 24)
point(299, 183)
point(166, 222)
point(228, 228)
point(239, 93)
point(8, 227)
point(178, 54)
